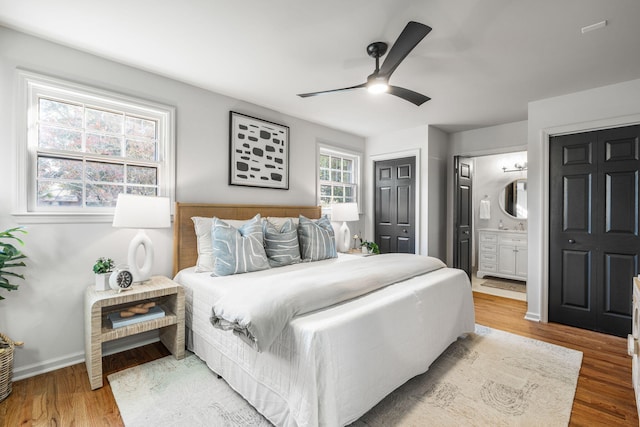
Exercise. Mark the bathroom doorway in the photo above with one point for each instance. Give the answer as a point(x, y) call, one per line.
point(499, 248)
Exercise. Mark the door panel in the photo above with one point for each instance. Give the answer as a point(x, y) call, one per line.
point(621, 199)
point(593, 228)
point(577, 203)
point(462, 236)
point(395, 205)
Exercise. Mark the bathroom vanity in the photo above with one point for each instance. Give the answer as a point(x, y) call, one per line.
point(502, 253)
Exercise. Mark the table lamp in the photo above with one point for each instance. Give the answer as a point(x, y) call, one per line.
point(141, 212)
point(343, 212)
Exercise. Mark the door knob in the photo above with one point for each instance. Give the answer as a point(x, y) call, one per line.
point(572, 241)
point(465, 232)
point(404, 230)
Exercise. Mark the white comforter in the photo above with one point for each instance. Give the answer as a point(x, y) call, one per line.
point(329, 367)
point(260, 307)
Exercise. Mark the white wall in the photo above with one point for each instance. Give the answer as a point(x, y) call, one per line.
point(608, 106)
point(436, 194)
point(47, 311)
point(509, 137)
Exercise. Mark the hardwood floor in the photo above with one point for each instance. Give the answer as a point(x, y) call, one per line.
point(604, 395)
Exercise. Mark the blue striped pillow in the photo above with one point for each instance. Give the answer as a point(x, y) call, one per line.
point(238, 250)
point(317, 240)
point(281, 245)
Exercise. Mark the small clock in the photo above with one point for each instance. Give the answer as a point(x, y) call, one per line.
point(121, 279)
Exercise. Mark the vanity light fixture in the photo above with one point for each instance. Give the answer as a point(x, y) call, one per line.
point(518, 167)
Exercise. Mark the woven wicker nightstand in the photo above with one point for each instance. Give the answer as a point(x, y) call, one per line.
point(162, 290)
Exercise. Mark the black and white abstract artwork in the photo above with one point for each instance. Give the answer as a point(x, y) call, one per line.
point(259, 152)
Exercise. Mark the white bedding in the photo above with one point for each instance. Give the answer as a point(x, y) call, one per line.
point(329, 367)
point(261, 306)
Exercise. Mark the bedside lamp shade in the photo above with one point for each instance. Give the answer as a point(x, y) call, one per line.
point(134, 211)
point(343, 212)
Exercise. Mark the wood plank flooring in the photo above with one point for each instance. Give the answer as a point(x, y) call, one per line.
point(604, 395)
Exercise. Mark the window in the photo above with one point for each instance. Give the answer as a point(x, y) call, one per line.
point(85, 146)
point(339, 174)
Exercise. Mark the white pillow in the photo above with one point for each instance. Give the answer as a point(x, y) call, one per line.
point(204, 243)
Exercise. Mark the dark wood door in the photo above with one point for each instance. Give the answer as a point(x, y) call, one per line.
point(462, 214)
point(593, 242)
point(395, 218)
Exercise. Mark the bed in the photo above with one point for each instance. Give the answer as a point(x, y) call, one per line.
point(329, 366)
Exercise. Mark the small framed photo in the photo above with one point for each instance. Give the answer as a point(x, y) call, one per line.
point(258, 152)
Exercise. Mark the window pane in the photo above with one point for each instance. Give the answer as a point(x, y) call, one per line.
point(325, 201)
point(63, 169)
point(104, 172)
point(335, 163)
point(324, 161)
point(143, 150)
point(106, 145)
point(325, 190)
point(348, 191)
point(337, 200)
point(338, 191)
point(55, 193)
point(141, 175)
point(347, 165)
point(59, 139)
point(347, 177)
point(336, 176)
point(103, 195)
point(142, 191)
point(60, 113)
point(324, 175)
point(140, 127)
point(104, 121)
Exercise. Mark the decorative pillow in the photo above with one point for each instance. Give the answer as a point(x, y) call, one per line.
point(202, 226)
point(278, 221)
point(317, 240)
point(281, 243)
point(238, 250)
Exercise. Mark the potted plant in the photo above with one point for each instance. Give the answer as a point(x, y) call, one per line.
point(10, 257)
point(370, 247)
point(103, 268)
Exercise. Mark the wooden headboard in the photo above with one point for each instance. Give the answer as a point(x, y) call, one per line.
point(185, 251)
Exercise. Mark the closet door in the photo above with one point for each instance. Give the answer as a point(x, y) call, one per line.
point(593, 242)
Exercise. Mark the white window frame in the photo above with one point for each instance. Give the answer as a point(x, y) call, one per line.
point(326, 149)
point(32, 86)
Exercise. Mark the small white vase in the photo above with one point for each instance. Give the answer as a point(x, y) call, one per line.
point(102, 282)
point(364, 250)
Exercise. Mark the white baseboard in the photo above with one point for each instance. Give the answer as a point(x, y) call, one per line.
point(108, 348)
point(534, 317)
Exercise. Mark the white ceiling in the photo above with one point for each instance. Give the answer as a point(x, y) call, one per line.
point(481, 65)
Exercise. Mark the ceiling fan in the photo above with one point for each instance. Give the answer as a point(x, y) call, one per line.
point(378, 81)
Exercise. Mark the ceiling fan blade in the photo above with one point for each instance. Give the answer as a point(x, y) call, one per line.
point(305, 95)
point(408, 95)
point(412, 34)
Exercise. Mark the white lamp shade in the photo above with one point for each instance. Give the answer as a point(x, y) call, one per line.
point(134, 211)
point(344, 212)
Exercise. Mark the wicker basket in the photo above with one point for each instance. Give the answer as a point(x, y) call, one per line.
point(6, 368)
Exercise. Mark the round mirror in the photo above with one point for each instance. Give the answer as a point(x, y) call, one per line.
point(513, 199)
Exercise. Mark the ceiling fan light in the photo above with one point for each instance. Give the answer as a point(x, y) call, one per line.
point(378, 87)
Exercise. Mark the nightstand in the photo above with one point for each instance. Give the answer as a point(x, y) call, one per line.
point(98, 304)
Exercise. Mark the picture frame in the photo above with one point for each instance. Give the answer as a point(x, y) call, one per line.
point(258, 152)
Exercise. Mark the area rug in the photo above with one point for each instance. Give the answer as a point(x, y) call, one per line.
point(489, 378)
point(506, 285)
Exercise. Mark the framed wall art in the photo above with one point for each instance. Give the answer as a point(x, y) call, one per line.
point(258, 152)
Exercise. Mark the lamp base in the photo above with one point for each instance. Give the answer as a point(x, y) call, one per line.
point(140, 273)
point(343, 238)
